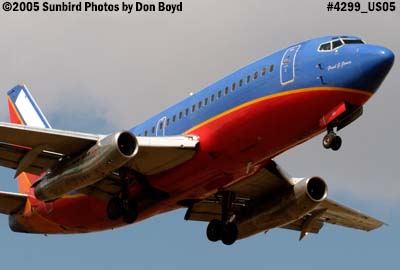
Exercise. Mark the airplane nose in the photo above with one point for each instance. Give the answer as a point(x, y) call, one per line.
point(375, 63)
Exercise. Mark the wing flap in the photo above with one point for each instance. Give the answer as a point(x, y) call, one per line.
point(11, 155)
point(11, 203)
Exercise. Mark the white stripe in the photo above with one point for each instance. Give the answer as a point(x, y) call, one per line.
point(27, 111)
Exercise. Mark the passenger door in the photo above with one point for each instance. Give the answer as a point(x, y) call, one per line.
point(287, 72)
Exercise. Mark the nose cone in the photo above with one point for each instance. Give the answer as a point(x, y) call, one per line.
point(375, 63)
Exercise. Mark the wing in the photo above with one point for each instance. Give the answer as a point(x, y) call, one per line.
point(338, 214)
point(267, 183)
point(34, 149)
point(11, 203)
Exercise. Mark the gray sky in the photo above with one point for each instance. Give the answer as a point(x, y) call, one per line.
point(104, 72)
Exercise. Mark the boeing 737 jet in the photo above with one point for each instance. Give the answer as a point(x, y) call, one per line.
point(211, 153)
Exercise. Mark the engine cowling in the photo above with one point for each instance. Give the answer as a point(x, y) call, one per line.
point(284, 208)
point(109, 154)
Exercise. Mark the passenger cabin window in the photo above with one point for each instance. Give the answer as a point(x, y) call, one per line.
point(199, 104)
point(255, 75)
point(219, 94)
point(160, 125)
point(153, 129)
point(271, 68)
point(264, 70)
point(240, 83)
point(145, 133)
point(193, 108)
point(205, 101)
point(186, 111)
point(212, 98)
point(226, 90)
point(233, 86)
point(167, 122)
point(173, 118)
point(248, 79)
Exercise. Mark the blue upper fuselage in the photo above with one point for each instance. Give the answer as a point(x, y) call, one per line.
point(332, 61)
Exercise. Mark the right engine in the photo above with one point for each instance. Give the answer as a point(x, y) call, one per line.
point(106, 156)
point(287, 207)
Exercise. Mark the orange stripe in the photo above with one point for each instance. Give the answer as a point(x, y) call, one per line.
point(297, 91)
point(15, 110)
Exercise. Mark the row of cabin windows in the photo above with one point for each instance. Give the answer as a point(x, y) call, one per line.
point(211, 99)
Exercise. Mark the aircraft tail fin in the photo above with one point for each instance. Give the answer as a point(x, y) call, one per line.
point(24, 110)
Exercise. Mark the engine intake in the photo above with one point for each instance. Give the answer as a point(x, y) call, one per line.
point(127, 143)
point(106, 156)
point(316, 189)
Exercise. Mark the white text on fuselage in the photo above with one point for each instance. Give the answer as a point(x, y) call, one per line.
point(339, 65)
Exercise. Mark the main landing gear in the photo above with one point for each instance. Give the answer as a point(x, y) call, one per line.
point(125, 208)
point(122, 205)
point(224, 229)
point(332, 141)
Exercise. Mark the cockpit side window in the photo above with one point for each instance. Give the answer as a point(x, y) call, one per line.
point(353, 41)
point(325, 47)
point(336, 44)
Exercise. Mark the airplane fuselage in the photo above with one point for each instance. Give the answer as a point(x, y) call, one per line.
point(242, 120)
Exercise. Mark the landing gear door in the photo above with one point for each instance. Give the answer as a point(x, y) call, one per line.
point(288, 65)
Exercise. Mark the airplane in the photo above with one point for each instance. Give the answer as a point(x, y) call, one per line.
point(211, 153)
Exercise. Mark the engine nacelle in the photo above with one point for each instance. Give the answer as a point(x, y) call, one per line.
point(285, 208)
point(109, 154)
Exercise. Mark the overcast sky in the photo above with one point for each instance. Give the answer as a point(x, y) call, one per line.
point(101, 72)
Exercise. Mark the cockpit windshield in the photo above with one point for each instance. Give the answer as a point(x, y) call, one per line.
point(353, 41)
point(338, 42)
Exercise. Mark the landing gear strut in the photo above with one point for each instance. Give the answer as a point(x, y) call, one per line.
point(122, 206)
point(224, 229)
point(332, 141)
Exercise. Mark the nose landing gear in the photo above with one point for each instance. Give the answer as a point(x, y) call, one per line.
point(339, 117)
point(332, 141)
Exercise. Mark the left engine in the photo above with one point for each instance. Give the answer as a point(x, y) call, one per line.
point(109, 154)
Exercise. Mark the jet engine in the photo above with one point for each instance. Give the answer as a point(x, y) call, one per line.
point(289, 206)
point(106, 156)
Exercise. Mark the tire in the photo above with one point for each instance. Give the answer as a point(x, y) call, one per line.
point(214, 230)
point(229, 234)
point(130, 212)
point(336, 143)
point(327, 140)
point(114, 208)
